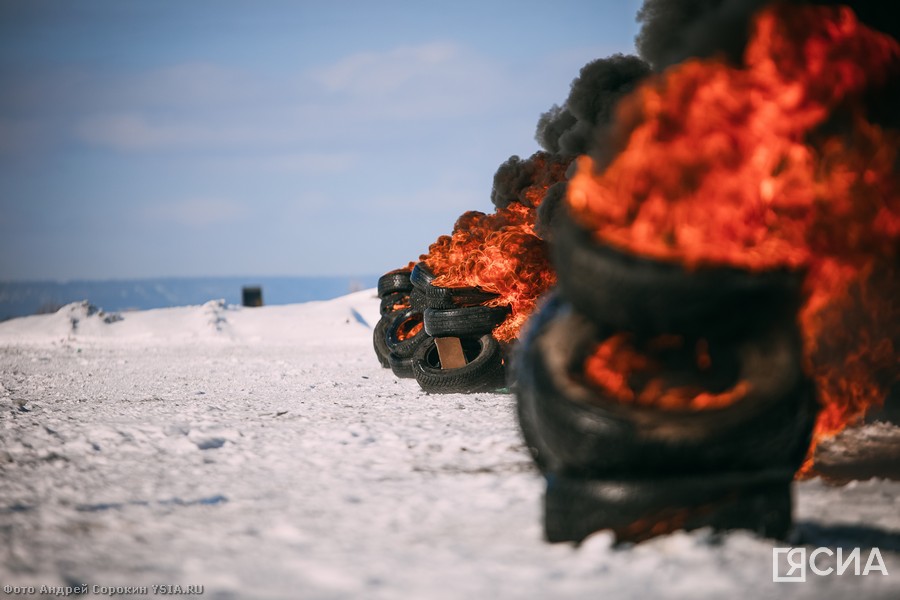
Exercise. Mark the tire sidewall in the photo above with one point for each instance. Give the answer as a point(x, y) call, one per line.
point(633, 293)
point(571, 431)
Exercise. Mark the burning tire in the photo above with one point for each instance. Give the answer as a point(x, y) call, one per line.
point(638, 509)
point(633, 293)
point(463, 322)
point(417, 300)
point(394, 281)
point(421, 276)
point(573, 429)
point(588, 444)
point(393, 302)
point(483, 371)
point(405, 333)
point(443, 297)
point(379, 340)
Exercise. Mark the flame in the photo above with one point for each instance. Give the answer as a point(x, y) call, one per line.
point(410, 328)
point(632, 375)
point(772, 165)
point(718, 169)
point(402, 305)
point(852, 335)
point(500, 252)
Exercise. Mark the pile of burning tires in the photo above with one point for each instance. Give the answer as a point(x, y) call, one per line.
point(627, 454)
point(670, 380)
point(439, 336)
point(652, 397)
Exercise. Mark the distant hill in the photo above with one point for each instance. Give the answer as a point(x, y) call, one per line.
point(18, 299)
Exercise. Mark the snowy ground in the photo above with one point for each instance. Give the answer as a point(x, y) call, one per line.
point(262, 453)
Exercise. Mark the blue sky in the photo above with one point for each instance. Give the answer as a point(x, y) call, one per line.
point(198, 138)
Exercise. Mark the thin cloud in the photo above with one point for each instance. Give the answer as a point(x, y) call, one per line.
point(201, 105)
point(372, 73)
point(196, 84)
point(196, 212)
point(138, 131)
point(311, 163)
point(435, 80)
point(128, 132)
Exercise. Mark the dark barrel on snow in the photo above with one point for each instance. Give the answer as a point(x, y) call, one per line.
point(251, 295)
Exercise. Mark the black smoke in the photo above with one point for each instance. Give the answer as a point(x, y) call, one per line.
point(568, 130)
point(548, 210)
point(516, 177)
point(565, 132)
point(674, 30)
point(571, 129)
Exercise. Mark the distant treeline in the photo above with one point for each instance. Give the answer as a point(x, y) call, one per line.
point(18, 299)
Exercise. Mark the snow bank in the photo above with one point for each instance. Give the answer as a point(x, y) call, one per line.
point(262, 453)
point(213, 321)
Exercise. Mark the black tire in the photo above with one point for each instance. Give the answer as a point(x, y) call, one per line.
point(483, 372)
point(401, 367)
point(464, 322)
point(391, 302)
point(632, 293)
point(393, 281)
point(443, 297)
point(637, 509)
point(417, 300)
point(379, 340)
point(421, 276)
point(404, 348)
point(422, 279)
point(573, 431)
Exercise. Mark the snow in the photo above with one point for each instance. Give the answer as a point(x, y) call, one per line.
point(263, 453)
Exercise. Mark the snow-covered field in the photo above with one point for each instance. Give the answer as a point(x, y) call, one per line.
point(263, 453)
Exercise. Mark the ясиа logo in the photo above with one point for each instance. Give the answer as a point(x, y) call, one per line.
point(790, 564)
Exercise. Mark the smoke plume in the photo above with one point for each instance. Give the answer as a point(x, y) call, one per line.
point(675, 30)
point(571, 129)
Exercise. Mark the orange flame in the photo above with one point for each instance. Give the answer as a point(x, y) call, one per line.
point(501, 253)
point(409, 328)
point(852, 336)
point(402, 305)
point(631, 375)
point(768, 166)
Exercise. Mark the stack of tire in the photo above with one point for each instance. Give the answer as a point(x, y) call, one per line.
point(415, 313)
point(643, 470)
